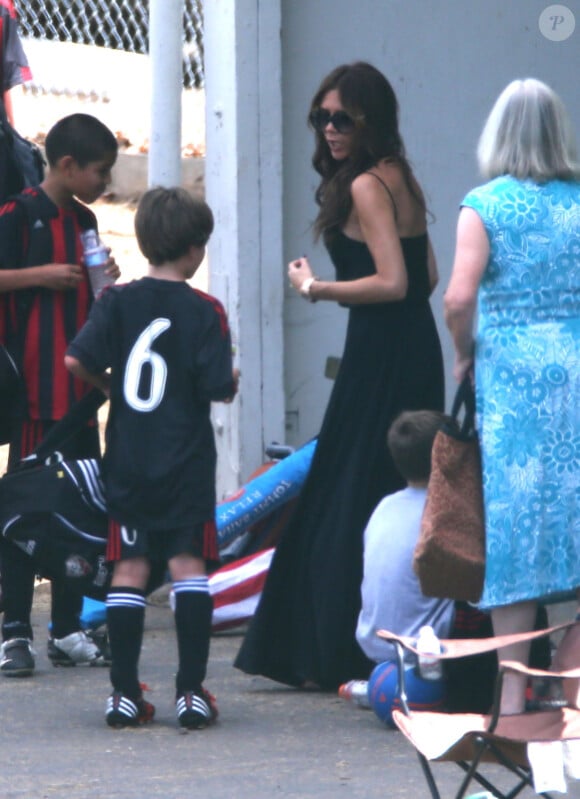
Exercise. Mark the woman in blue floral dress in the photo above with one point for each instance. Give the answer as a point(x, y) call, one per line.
point(517, 269)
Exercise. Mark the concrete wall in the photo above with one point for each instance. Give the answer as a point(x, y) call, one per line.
point(244, 179)
point(447, 60)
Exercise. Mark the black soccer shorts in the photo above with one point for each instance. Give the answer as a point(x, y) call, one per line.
point(198, 540)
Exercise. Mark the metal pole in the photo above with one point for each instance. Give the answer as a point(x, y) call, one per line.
point(165, 54)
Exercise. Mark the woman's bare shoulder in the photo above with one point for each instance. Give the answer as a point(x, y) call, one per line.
point(400, 183)
point(405, 193)
point(391, 172)
point(379, 177)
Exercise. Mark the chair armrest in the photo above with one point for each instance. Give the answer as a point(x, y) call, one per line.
point(464, 647)
point(519, 668)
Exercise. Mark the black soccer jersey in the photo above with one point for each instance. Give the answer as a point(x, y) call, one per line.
point(39, 323)
point(170, 353)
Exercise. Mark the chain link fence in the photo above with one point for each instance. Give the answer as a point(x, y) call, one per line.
point(117, 24)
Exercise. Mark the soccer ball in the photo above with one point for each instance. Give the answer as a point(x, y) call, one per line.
point(421, 694)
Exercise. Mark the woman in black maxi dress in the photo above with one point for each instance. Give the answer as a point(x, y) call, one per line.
point(303, 632)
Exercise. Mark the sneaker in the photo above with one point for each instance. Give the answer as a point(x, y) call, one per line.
point(196, 709)
point(74, 648)
point(17, 657)
point(124, 712)
point(100, 639)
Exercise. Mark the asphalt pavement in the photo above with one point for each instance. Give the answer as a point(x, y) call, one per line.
point(270, 741)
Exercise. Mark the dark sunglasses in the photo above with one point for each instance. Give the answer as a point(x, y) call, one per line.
point(341, 121)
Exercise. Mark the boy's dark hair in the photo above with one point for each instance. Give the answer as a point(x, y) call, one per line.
point(170, 221)
point(81, 136)
point(410, 441)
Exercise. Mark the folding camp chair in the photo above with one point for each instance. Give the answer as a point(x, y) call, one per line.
point(470, 739)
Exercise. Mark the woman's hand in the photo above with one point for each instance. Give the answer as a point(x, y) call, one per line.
point(462, 367)
point(298, 272)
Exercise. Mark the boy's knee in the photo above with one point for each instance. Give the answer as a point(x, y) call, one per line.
point(183, 566)
point(132, 573)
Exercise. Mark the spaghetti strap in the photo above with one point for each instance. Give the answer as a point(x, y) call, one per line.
point(382, 182)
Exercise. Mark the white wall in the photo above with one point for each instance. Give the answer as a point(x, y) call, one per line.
point(244, 188)
point(447, 60)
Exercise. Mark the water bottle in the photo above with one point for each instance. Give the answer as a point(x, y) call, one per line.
point(429, 648)
point(96, 257)
point(355, 691)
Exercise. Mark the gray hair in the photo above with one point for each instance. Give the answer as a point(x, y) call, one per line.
point(528, 134)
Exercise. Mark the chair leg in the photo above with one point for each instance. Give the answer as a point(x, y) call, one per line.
point(428, 776)
point(471, 772)
point(524, 775)
point(472, 775)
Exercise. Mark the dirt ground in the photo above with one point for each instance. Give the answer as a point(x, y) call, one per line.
point(270, 742)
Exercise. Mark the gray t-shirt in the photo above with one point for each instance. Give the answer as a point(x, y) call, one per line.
point(391, 594)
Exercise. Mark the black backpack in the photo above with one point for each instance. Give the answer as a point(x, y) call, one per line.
point(55, 510)
point(21, 161)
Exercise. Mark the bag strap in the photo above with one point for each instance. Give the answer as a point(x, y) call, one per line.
point(464, 399)
point(78, 415)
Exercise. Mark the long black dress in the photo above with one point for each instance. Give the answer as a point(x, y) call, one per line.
point(304, 626)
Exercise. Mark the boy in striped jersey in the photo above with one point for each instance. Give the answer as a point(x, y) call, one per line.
point(44, 300)
point(169, 352)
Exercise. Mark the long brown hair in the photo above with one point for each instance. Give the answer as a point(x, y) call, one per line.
point(368, 97)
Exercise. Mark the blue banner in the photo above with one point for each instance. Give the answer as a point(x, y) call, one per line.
point(263, 494)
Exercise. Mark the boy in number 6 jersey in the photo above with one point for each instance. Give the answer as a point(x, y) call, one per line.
point(169, 352)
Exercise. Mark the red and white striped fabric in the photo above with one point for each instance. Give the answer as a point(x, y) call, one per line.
point(236, 589)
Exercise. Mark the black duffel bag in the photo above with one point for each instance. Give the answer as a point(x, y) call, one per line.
point(55, 512)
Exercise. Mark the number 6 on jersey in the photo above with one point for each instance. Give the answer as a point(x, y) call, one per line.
point(140, 355)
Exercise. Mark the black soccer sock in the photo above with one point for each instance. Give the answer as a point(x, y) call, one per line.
point(193, 611)
point(125, 622)
point(67, 604)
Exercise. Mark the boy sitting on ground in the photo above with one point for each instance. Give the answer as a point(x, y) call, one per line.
point(391, 595)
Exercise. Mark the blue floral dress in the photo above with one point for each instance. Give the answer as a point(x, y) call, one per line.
point(528, 387)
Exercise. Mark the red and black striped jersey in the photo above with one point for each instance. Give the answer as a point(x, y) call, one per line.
point(40, 323)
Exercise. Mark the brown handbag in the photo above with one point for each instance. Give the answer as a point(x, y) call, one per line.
point(449, 557)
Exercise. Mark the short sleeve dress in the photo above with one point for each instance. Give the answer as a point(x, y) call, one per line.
point(304, 627)
point(528, 387)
